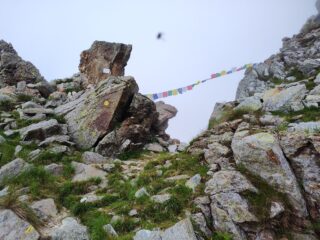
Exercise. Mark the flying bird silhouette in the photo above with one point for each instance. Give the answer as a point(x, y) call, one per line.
point(160, 35)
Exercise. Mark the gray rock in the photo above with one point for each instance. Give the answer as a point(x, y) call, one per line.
point(13, 169)
point(17, 150)
point(133, 212)
point(278, 99)
point(317, 80)
point(308, 66)
point(154, 147)
point(200, 221)
point(95, 113)
point(34, 154)
point(276, 209)
point(71, 230)
point(235, 205)
point(93, 158)
point(13, 69)
point(41, 130)
point(181, 230)
point(54, 169)
point(309, 127)
point(315, 91)
point(13, 228)
point(173, 148)
point(161, 198)
point(90, 197)
point(39, 110)
point(30, 104)
point(261, 155)
point(141, 192)
point(250, 104)
point(60, 139)
point(4, 191)
point(228, 181)
point(58, 149)
point(84, 172)
point(2, 140)
point(110, 230)
point(194, 182)
point(45, 209)
point(177, 178)
point(166, 112)
point(250, 85)
point(148, 235)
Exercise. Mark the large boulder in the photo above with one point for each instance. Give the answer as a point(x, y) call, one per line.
point(135, 131)
point(14, 69)
point(261, 154)
point(104, 59)
point(12, 227)
point(97, 112)
point(279, 99)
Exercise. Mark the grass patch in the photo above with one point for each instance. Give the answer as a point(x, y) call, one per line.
point(6, 105)
point(308, 114)
point(7, 149)
point(221, 236)
point(41, 183)
point(134, 154)
point(276, 81)
point(310, 85)
point(21, 97)
point(230, 114)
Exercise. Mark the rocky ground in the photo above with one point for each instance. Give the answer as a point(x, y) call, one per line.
point(87, 157)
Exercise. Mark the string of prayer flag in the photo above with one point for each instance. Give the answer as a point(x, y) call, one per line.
point(182, 90)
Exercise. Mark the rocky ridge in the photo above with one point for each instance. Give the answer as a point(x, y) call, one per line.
point(87, 157)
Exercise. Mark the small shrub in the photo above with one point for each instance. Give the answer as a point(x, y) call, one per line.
point(23, 97)
point(134, 154)
point(6, 106)
point(221, 236)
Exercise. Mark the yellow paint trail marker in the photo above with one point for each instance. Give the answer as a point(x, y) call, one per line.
point(29, 230)
point(106, 103)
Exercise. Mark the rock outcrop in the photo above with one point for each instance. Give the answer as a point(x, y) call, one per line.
point(102, 60)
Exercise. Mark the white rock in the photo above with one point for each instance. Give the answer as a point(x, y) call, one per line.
point(194, 182)
point(110, 230)
point(71, 230)
point(161, 198)
point(276, 209)
point(141, 192)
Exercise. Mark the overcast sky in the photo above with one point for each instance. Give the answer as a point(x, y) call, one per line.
point(200, 37)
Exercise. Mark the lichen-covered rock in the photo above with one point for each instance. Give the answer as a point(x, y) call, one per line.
point(13, 168)
point(84, 172)
point(13, 69)
point(45, 209)
point(41, 130)
point(261, 154)
point(104, 59)
point(166, 112)
point(278, 99)
point(13, 228)
point(93, 158)
point(99, 110)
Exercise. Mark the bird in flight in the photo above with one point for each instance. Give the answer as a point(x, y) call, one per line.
point(160, 36)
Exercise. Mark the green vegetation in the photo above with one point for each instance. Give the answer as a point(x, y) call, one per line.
point(310, 85)
point(307, 114)
point(221, 236)
point(21, 97)
point(6, 106)
point(230, 114)
point(40, 182)
point(134, 154)
point(7, 148)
